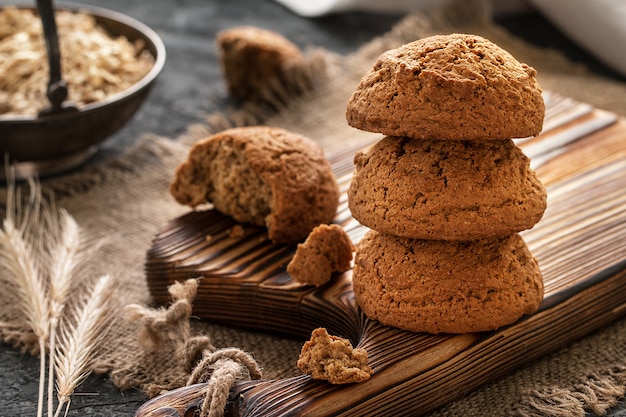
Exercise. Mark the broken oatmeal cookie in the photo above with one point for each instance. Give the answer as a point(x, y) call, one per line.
point(333, 359)
point(327, 249)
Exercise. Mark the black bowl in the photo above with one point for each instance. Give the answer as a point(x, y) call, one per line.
point(44, 145)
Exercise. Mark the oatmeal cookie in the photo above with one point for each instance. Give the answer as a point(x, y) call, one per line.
point(438, 286)
point(261, 175)
point(448, 190)
point(260, 65)
point(455, 86)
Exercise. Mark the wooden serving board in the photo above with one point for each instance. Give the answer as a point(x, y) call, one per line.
point(580, 245)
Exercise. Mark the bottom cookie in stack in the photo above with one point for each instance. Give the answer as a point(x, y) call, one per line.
point(438, 286)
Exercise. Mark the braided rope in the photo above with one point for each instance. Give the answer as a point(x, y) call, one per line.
point(222, 368)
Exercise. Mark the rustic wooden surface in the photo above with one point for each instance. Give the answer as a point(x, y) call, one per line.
point(580, 245)
point(191, 87)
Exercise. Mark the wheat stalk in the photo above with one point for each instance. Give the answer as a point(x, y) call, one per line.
point(80, 334)
point(19, 255)
point(66, 256)
point(42, 260)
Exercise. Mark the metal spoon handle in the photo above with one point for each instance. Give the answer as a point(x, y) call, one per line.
point(57, 87)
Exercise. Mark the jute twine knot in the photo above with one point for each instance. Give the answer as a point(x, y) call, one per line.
point(221, 368)
point(167, 332)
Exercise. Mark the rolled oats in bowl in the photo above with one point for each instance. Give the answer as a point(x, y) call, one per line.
point(94, 63)
point(109, 62)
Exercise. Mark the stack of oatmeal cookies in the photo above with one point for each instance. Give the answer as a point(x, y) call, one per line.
point(447, 191)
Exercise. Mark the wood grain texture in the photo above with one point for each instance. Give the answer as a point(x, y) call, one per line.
point(580, 245)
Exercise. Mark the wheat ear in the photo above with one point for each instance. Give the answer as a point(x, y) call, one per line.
point(66, 257)
point(80, 334)
point(19, 252)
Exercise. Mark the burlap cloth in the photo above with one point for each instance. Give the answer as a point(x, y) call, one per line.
point(125, 202)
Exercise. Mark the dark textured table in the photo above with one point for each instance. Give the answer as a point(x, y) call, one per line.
point(186, 92)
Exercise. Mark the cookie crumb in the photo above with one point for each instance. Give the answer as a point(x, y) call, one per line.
point(327, 249)
point(236, 232)
point(333, 359)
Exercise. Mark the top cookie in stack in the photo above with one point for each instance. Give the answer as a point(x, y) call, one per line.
point(447, 191)
point(449, 87)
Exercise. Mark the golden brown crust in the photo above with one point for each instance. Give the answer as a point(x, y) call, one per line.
point(446, 287)
point(261, 175)
point(453, 86)
point(448, 190)
point(332, 359)
point(327, 249)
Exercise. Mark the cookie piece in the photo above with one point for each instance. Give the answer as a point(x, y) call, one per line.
point(453, 86)
point(261, 65)
point(438, 286)
point(261, 175)
point(327, 249)
point(332, 359)
point(448, 190)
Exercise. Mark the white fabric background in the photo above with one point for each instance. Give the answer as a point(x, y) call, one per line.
point(598, 26)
